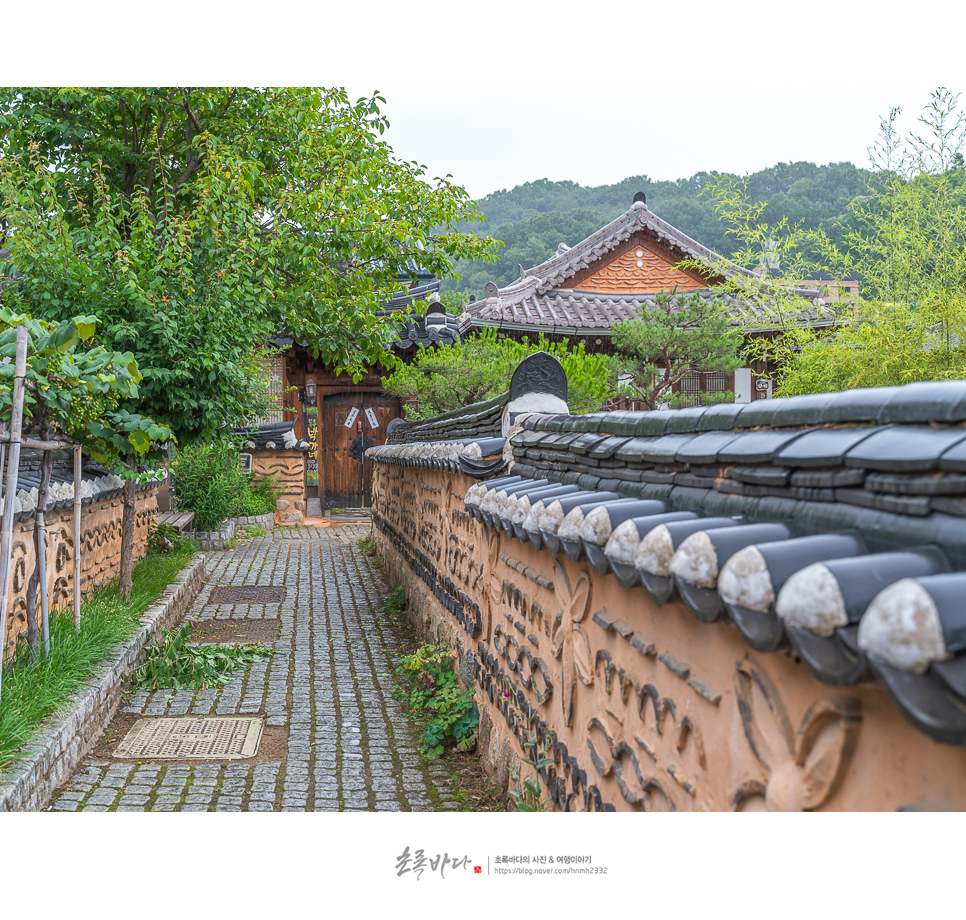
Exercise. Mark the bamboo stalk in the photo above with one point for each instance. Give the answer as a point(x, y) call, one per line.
point(77, 537)
point(3, 446)
point(13, 471)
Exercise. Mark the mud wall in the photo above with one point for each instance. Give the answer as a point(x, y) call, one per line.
point(100, 553)
point(640, 707)
point(288, 468)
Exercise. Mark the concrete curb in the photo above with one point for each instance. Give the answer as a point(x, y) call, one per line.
point(61, 742)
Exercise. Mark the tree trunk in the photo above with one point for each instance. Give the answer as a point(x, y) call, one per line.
point(127, 538)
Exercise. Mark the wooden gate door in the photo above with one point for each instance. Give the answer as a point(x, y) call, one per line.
point(345, 476)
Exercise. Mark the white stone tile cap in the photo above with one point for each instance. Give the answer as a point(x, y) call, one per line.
point(531, 404)
point(623, 543)
point(655, 552)
point(532, 520)
point(811, 599)
point(517, 509)
point(551, 517)
point(569, 528)
point(902, 627)
point(746, 582)
point(596, 527)
point(696, 561)
point(494, 501)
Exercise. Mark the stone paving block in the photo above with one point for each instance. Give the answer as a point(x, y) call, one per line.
point(350, 745)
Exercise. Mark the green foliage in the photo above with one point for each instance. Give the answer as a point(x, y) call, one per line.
point(394, 603)
point(905, 239)
point(676, 337)
point(447, 378)
point(36, 687)
point(528, 795)
point(173, 664)
point(531, 219)
point(427, 682)
point(165, 538)
point(197, 221)
point(210, 482)
point(74, 387)
point(260, 496)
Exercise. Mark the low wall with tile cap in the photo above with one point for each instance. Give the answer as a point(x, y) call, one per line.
point(100, 551)
point(648, 704)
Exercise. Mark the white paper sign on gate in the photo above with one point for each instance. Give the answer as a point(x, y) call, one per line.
point(373, 421)
point(350, 421)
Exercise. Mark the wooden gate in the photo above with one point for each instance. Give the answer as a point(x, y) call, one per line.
point(345, 477)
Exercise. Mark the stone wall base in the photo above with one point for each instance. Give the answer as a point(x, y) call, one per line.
point(219, 539)
point(62, 742)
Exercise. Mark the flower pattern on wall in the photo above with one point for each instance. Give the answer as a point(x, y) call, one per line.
point(568, 640)
point(803, 769)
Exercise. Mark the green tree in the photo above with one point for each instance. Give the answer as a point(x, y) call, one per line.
point(318, 212)
point(75, 392)
point(905, 239)
point(446, 378)
point(195, 222)
point(671, 340)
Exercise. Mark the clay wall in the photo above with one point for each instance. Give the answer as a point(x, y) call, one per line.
point(288, 467)
point(641, 707)
point(100, 553)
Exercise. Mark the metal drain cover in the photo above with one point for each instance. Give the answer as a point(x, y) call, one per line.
point(193, 738)
point(248, 594)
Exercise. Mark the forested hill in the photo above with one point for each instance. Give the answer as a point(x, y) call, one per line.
point(532, 219)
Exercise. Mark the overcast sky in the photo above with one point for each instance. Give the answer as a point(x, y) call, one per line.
point(495, 137)
point(509, 91)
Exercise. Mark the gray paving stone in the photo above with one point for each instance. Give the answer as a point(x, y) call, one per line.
point(350, 745)
point(63, 804)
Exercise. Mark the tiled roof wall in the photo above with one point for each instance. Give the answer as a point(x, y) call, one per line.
point(832, 526)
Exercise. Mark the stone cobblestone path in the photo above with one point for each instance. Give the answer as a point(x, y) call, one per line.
point(351, 746)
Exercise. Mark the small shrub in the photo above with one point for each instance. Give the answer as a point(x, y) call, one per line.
point(394, 603)
point(433, 689)
point(209, 480)
point(528, 795)
point(165, 538)
point(260, 497)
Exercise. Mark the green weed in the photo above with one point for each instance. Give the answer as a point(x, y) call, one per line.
point(427, 681)
point(174, 664)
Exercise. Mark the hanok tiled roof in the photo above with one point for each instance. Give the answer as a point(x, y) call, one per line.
point(542, 298)
point(434, 327)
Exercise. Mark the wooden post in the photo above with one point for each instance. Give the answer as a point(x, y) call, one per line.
point(77, 537)
point(13, 471)
point(3, 447)
point(40, 526)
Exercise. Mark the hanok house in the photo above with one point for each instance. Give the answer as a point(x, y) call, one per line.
point(340, 419)
point(579, 293)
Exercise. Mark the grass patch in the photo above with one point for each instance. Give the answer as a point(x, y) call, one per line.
point(35, 689)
